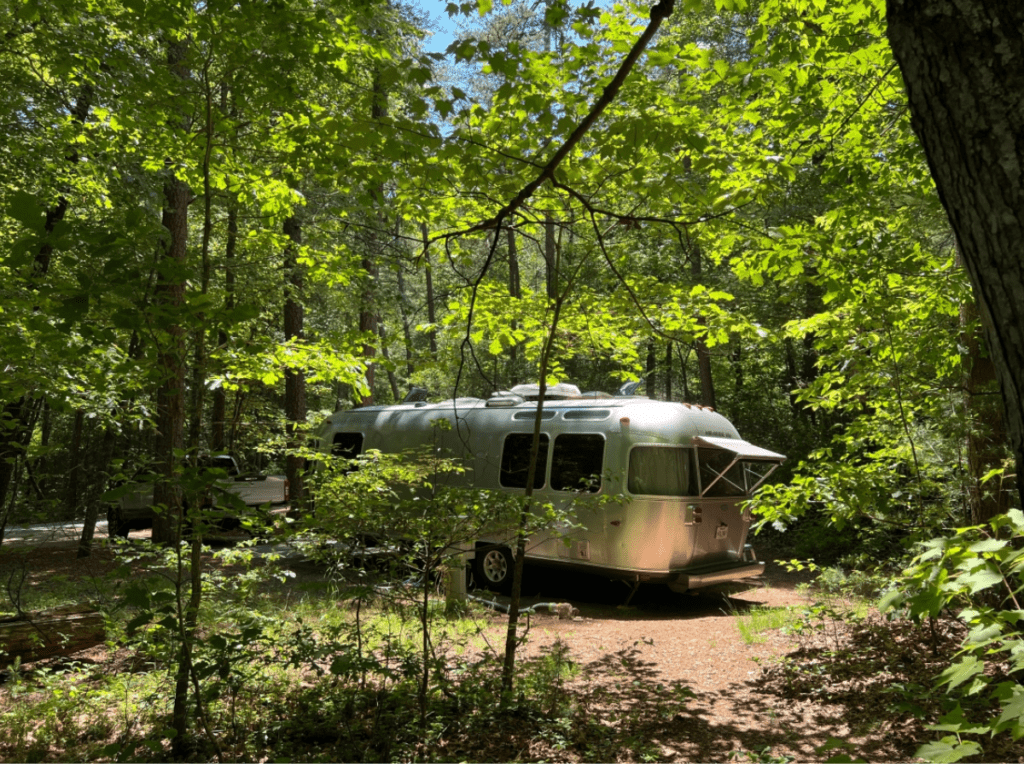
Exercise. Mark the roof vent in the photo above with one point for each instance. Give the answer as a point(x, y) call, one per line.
point(553, 392)
point(503, 399)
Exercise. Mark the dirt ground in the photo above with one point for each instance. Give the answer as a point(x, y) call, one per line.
point(677, 670)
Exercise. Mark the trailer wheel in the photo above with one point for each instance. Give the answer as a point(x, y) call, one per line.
point(116, 525)
point(493, 568)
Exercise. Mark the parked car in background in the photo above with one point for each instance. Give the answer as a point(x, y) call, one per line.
point(134, 510)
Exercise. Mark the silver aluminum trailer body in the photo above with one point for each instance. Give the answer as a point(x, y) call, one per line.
point(684, 468)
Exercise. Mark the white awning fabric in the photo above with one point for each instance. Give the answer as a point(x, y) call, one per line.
point(744, 451)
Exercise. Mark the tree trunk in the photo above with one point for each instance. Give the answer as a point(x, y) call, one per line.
point(14, 426)
point(986, 432)
point(101, 475)
point(668, 372)
point(791, 382)
point(396, 394)
point(170, 298)
point(431, 312)
point(550, 257)
point(220, 395)
point(170, 400)
point(75, 470)
point(963, 65)
point(199, 366)
point(707, 384)
point(294, 379)
point(403, 305)
point(683, 360)
point(515, 286)
point(650, 378)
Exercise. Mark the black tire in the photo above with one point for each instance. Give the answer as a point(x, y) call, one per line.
point(493, 568)
point(116, 525)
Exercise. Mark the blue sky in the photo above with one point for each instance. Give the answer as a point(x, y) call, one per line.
point(442, 36)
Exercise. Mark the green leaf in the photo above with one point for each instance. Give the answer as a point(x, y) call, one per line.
point(980, 578)
point(947, 750)
point(25, 209)
point(955, 722)
point(958, 674)
point(987, 545)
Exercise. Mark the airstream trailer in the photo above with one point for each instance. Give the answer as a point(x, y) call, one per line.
point(683, 469)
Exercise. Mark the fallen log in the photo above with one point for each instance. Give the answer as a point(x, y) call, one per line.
point(41, 634)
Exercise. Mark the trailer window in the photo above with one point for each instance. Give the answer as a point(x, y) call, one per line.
point(532, 414)
point(661, 471)
point(589, 414)
point(347, 445)
point(577, 462)
point(713, 461)
point(515, 461)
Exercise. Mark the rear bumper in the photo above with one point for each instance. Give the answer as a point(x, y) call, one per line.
point(716, 573)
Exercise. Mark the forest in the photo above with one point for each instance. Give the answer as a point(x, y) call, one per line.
point(224, 221)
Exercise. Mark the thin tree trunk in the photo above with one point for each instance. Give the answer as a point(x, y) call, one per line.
point(737, 367)
point(368, 317)
point(683, 360)
point(101, 474)
point(75, 469)
point(220, 395)
point(199, 335)
point(170, 410)
point(403, 305)
point(392, 379)
point(791, 382)
point(651, 378)
point(515, 286)
point(668, 372)
point(294, 378)
point(511, 634)
point(170, 298)
point(707, 384)
point(431, 312)
point(550, 256)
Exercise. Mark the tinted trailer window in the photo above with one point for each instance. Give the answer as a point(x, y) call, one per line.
point(661, 471)
point(515, 461)
point(577, 462)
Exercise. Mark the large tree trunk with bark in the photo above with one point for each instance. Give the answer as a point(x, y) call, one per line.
point(963, 66)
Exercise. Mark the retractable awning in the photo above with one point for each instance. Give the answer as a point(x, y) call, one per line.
point(744, 451)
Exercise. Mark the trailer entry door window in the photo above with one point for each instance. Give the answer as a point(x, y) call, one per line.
point(515, 461)
point(347, 445)
point(577, 462)
point(656, 470)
